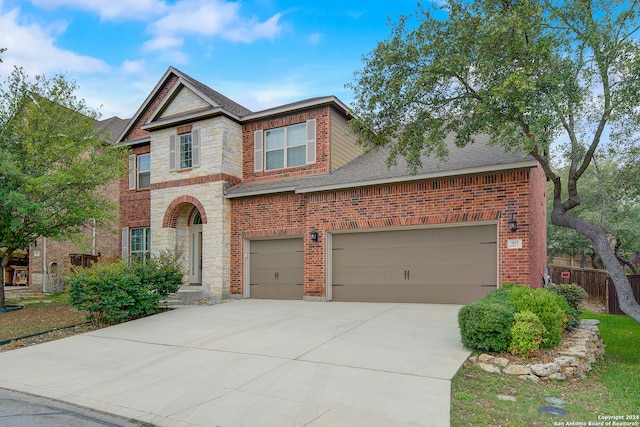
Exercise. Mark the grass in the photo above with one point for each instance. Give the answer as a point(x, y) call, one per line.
point(611, 388)
point(39, 314)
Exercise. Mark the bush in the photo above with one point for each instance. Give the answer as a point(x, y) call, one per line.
point(526, 334)
point(485, 325)
point(550, 308)
point(500, 296)
point(112, 293)
point(572, 293)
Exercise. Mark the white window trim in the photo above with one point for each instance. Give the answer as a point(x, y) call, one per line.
point(145, 172)
point(260, 147)
point(146, 252)
point(181, 151)
point(175, 150)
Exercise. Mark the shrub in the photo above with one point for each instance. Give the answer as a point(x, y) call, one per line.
point(485, 325)
point(550, 308)
point(526, 334)
point(500, 295)
point(572, 293)
point(112, 293)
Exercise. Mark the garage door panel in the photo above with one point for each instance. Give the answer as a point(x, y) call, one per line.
point(358, 256)
point(438, 265)
point(276, 291)
point(365, 274)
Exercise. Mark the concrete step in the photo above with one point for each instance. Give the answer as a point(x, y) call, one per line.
point(187, 295)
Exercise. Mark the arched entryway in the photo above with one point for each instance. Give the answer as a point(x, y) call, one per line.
point(187, 216)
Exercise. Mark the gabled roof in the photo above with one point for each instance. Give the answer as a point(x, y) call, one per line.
point(218, 105)
point(370, 169)
point(218, 98)
point(218, 102)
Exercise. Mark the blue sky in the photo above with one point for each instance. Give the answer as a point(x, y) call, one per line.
point(260, 53)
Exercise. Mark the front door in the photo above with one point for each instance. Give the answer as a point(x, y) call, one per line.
point(195, 251)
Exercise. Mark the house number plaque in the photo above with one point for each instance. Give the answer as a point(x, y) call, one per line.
point(514, 244)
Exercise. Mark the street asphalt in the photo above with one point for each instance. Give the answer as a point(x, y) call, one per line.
point(25, 410)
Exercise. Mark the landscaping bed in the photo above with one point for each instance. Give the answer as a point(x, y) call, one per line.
point(610, 389)
point(41, 318)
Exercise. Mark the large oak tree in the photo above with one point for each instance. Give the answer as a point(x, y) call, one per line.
point(53, 164)
point(529, 73)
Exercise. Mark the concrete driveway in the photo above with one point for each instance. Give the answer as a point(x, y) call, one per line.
point(257, 363)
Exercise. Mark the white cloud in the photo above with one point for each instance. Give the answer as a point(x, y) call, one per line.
point(314, 38)
point(33, 47)
point(110, 9)
point(163, 43)
point(210, 18)
point(133, 67)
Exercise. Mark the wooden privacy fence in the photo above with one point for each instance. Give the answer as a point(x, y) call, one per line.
point(612, 298)
point(593, 281)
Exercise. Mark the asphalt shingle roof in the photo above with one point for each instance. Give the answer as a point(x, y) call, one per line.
point(224, 102)
point(113, 126)
point(371, 169)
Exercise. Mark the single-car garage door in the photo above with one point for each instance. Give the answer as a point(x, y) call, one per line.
point(454, 265)
point(276, 269)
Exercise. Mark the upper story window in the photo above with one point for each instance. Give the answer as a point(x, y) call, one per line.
point(184, 149)
point(144, 170)
point(139, 171)
point(285, 147)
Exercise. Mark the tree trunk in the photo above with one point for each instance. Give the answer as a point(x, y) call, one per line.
point(626, 299)
point(4, 261)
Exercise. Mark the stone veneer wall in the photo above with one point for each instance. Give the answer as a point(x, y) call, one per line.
point(220, 165)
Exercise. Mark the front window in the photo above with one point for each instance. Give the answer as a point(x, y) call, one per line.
point(186, 151)
point(144, 171)
point(286, 147)
point(141, 243)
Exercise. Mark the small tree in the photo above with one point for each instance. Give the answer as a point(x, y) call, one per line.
point(52, 164)
point(524, 72)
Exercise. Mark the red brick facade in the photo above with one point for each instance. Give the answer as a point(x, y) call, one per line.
point(323, 145)
point(135, 205)
point(491, 197)
point(136, 131)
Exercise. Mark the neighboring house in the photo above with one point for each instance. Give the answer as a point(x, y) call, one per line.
point(282, 203)
point(49, 260)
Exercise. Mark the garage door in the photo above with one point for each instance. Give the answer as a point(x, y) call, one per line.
point(436, 265)
point(276, 269)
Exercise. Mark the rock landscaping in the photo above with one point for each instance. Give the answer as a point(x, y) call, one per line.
point(571, 359)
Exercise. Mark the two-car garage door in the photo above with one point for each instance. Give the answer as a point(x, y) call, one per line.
point(454, 265)
point(436, 265)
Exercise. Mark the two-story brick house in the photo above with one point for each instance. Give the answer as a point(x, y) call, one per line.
point(282, 203)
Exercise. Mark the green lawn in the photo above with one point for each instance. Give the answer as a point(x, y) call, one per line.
point(611, 388)
point(39, 314)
